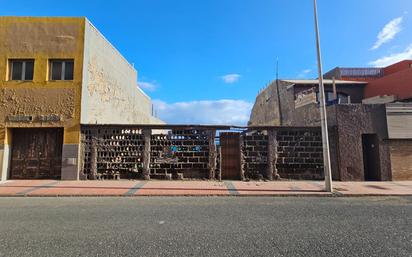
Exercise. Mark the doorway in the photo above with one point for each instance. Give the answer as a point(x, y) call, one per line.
point(371, 160)
point(36, 153)
point(230, 155)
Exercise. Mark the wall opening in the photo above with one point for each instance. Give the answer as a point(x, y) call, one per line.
point(371, 160)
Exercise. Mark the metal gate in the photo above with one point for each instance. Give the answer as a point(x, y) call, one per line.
point(230, 155)
point(36, 153)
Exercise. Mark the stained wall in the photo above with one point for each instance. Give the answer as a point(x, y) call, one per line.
point(41, 39)
point(110, 93)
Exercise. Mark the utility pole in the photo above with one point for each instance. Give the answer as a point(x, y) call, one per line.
point(322, 109)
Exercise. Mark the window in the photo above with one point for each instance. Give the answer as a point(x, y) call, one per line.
point(61, 69)
point(21, 69)
point(341, 98)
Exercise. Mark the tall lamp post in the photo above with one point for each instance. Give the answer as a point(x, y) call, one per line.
point(322, 109)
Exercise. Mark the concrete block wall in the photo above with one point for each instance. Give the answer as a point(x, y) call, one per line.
point(118, 151)
point(134, 152)
point(181, 151)
point(353, 121)
point(298, 154)
point(108, 150)
point(255, 155)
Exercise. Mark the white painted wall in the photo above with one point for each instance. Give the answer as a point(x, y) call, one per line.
point(110, 94)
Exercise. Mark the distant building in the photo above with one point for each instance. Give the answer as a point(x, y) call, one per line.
point(370, 133)
point(394, 80)
point(280, 103)
point(57, 74)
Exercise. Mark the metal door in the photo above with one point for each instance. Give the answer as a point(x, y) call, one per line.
point(371, 160)
point(230, 155)
point(36, 153)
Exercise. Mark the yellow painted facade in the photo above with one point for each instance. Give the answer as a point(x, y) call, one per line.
point(41, 39)
point(103, 89)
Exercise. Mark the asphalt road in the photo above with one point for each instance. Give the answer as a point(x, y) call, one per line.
point(206, 226)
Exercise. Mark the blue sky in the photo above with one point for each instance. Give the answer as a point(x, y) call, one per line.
point(205, 61)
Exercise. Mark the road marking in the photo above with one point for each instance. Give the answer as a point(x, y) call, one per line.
point(231, 188)
point(136, 188)
point(34, 188)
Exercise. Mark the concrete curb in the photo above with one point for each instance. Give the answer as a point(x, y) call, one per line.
point(212, 195)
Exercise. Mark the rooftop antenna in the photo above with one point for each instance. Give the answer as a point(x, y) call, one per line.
point(277, 68)
point(277, 91)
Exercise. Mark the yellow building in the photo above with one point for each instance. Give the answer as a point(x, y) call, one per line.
point(56, 74)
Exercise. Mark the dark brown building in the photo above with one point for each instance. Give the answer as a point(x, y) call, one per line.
point(365, 140)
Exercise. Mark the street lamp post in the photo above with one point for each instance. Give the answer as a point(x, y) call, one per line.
point(322, 108)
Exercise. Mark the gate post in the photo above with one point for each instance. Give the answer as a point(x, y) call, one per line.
point(93, 158)
point(272, 172)
point(219, 174)
point(147, 133)
point(242, 156)
point(212, 154)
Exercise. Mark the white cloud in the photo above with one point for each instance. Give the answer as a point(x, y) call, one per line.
point(231, 78)
point(149, 86)
point(393, 58)
point(389, 31)
point(304, 73)
point(221, 112)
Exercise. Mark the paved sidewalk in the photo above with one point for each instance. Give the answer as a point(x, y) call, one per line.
point(199, 188)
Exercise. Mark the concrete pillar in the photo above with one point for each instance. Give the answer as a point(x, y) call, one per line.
point(212, 154)
point(5, 153)
point(272, 172)
point(4, 161)
point(147, 133)
point(70, 162)
point(219, 174)
point(93, 159)
point(242, 158)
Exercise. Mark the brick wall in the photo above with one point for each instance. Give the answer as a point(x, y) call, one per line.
point(401, 159)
